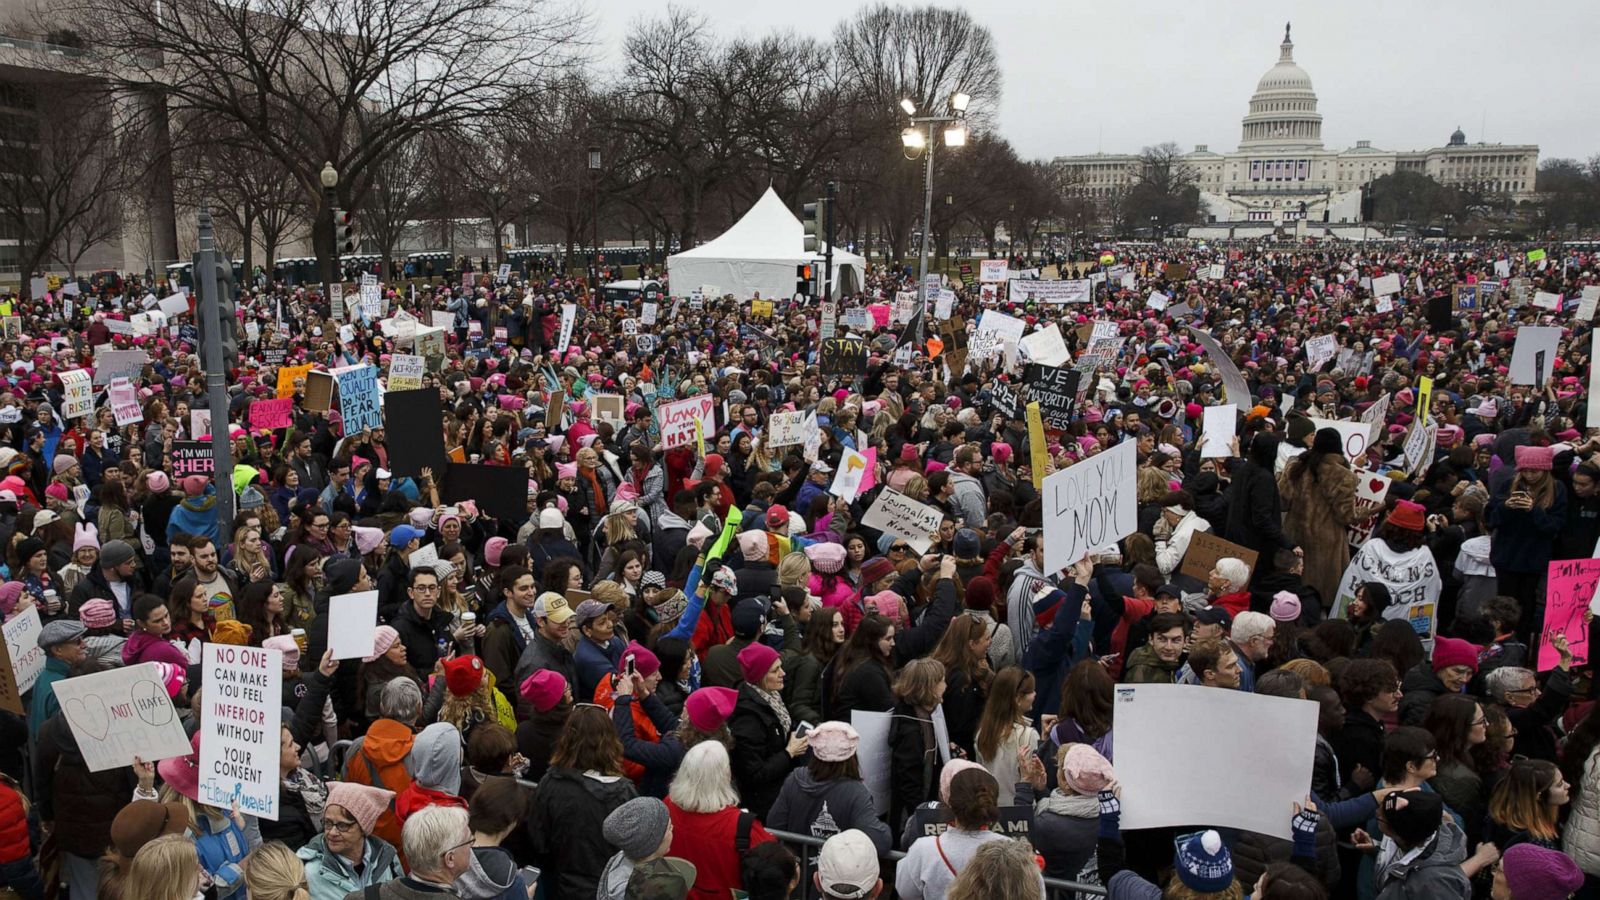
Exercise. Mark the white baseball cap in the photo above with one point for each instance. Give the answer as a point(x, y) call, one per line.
point(847, 867)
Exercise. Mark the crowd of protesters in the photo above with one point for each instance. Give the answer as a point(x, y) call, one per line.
point(626, 689)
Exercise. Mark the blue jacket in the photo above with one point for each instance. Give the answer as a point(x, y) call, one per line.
point(594, 662)
point(1055, 650)
point(197, 515)
point(44, 703)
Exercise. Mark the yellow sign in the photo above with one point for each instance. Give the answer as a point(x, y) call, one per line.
point(1424, 399)
point(1536, 256)
point(762, 308)
point(699, 439)
point(1037, 454)
point(286, 377)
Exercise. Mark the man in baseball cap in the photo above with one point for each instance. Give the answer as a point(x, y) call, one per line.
point(547, 649)
point(847, 867)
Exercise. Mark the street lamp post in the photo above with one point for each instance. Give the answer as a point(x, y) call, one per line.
point(1155, 224)
point(330, 180)
point(594, 252)
point(955, 135)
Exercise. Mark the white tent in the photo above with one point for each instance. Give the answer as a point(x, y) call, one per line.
point(760, 253)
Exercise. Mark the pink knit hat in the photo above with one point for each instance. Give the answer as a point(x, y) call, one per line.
point(492, 548)
point(826, 557)
point(182, 773)
point(755, 661)
point(1537, 459)
point(709, 707)
point(10, 593)
point(382, 639)
point(84, 534)
point(1084, 770)
point(951, 769)
point(367, 539)
point(544, 689)
point(98, 613)
point(158, 482)
point(364, 803)
point(1285, 607)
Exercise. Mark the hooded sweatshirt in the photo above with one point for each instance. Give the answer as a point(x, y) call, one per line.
point(435, 771)
point(493, 874)
point(1430, 871)
point(825, 808)
point(382, 758)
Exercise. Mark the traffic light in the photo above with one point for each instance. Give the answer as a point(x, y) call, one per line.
point(344, 231)
point(803, 275)
point(228, 291)
point(812, 215)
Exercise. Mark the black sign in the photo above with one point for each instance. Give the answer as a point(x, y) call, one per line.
point(273, 356)
point(756, 335)
point(1015, 821)
point(843, 356)
point(1056, 389)
point(499, 491)
point(1005, 399)
point(193, 457)
point(415, 416)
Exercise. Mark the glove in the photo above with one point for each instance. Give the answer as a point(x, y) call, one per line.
point(1109, 804)
point(1305, 822)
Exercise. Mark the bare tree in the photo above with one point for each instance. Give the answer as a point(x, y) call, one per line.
point(340, 81)
point(395, 198)
point(58, 197)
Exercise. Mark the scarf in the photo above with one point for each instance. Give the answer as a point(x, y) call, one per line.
point(312, 790)
point(1076, 806)
point(774, 700)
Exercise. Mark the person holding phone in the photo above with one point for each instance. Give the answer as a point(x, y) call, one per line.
point(1525, 520)
point(763, 730)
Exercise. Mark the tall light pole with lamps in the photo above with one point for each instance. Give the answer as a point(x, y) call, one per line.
point(594, 253)
point(955, 135)
point(330, 180)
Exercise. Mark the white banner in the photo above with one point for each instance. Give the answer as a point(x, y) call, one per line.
point(240, 733)
point(1219, 425)
point(1069, 291)
point(1089, 506)
point(1385, 285)
point(991, 271)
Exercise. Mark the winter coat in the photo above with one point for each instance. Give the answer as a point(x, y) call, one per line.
point(565, 826)
point(82, 803)
point(1581, 839)
point(867, 687)
point(196, 515)
point(1065, 831)
point(382, 758)
point(594, 662)
point(915, 763)
point(802, 686)
point(1434, 875)
point(825, 808)
point(1254, 514)
point(541, 653)
point(1420, 687)
point(1253, 852)
point(1317, 511)
point(143, 647)
point(502, 646)
point(709, 842)
point(330, 876)
point(763, 759)
point(1170, 552)
point(658, 759)
point(1144, 667)
point(422, 638)
point(967, 499)
point(1524, 540)
point(492, 875)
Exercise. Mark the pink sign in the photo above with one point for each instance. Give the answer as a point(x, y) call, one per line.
point(677, 419)
point(272, 413)
point(871, 478)
point(1571, 587)
point(880, 314)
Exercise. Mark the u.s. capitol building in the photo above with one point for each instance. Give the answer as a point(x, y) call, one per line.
point(1282, 176)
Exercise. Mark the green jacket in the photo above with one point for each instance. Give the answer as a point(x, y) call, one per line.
point(1144, 667)
point(45, 704)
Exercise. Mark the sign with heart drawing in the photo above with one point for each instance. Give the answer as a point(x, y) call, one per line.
point(121, 714)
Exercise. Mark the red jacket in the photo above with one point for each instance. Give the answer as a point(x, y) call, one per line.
point(1234, 603)
point(715, 627)
point(14, 842)
point(1133, 609)
point(416, 797)
point(707, 840)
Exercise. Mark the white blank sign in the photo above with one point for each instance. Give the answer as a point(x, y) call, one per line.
point(352, 624)
point(1277, 735)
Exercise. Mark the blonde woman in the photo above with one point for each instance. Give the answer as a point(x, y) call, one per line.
point(250, 561)
point(794, 570)
point(274, 872)
point(998, 869)
point(167, 868)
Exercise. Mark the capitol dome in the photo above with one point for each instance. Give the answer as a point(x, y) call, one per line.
point(1283, 111)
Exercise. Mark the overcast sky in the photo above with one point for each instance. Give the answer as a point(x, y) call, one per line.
point(1083, 77)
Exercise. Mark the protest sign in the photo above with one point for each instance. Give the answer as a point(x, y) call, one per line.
point(1419, 446)
point(1528, 366)
point(1157, 301)
point(1216, 272)
point(843, 356)
point(880, 313)
point(848, 478)
point(120, 714)
point(405, 372)
point(1219, 424)
point(192, 458)
point(872, 753)
point(353, 624)
point(785, 429)
point(1570, 588)
point(1353, 436)
point(649, 313)
point(442, 319)
point(175, 305)
point(1071, 291)
point(905, 306)
point(901, 516)
point(77, 395)
point(1006, 327)
point(1319, 350)
point(22, 645)
point(1384, 285)
point(1235, 389)
point(272, 413)
point(240, 733)
point(991, 271)
point(1046, 346)
point(1206, 548)
point(109, 365)
point(1547, 300)
point(1586, 304)
point(1277, 734)
point(1089, 506)
point(1004, 398)
point(857, 317)
point(414, 418)
point(1536, 256)
point(286, 379)
point(319, 391)
point(199, 422)
point(609, 408)
point(569, 317)
point(358, 398)
point(677, 419)
point(371, 298)
point(1464, 297)
point(10, 696)
point(124, 398)
point(1055, 389)
point(929, 820)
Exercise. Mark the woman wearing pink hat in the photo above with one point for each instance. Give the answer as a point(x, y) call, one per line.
point(1525, 517)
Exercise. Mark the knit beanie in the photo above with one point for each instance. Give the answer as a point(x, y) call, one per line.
point(1285, 607)
point(98, 613)
point(341, 575)
point(637, 827)
point(284, 644)
point(878, 568)
point(232, 631)
point(755, 661)
point(1202, 862)
point(364, 803)
point(1084, 770)
point(382, 639)
point(709, 707)
point(63, 463)
point(544, 689)
point(1449, 652)
point(644, 661)
point(492, 548)
point(84, 534)
point(1536, 873)
point(980, 593)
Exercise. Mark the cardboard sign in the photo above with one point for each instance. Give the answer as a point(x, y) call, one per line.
point(241, 736)
point(358, 398)
point(991, 271)
point(901, 516)
point(405, 372)
point(1527, 365)
point(677, 419)
point(1571, 587)
point(843, 356)
point(608, 408)
point(1046, 346)
point(414, 417)
point(286, 377)
point(1354, 437)
point(192, 458)
point(1055, 389)
point(1385, 285)
point(1464, 297)
point(77, 396)
point(272, 413)
point(1206, 548)
point(319, 391)
point(785, 429)
point(1218, 426)
point(22, 648)
point(1319, 350)
point(124, 399)
point(110, 365)
point(120, 714)
point(569, 317)
point(1090, 506)
point(353, 624)
point(848, 478)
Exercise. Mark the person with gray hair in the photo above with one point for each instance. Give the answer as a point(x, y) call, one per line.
point(438, 845)
point(381, 758)
point(1251, 638)
point(1534, 711)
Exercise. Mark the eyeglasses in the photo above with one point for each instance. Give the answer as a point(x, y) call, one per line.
point(1530, 689)
point(1479, 721)
point(336, 825)
point(899, 548)
point(425, 588)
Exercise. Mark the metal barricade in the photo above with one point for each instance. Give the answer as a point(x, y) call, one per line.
point(805, 848)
